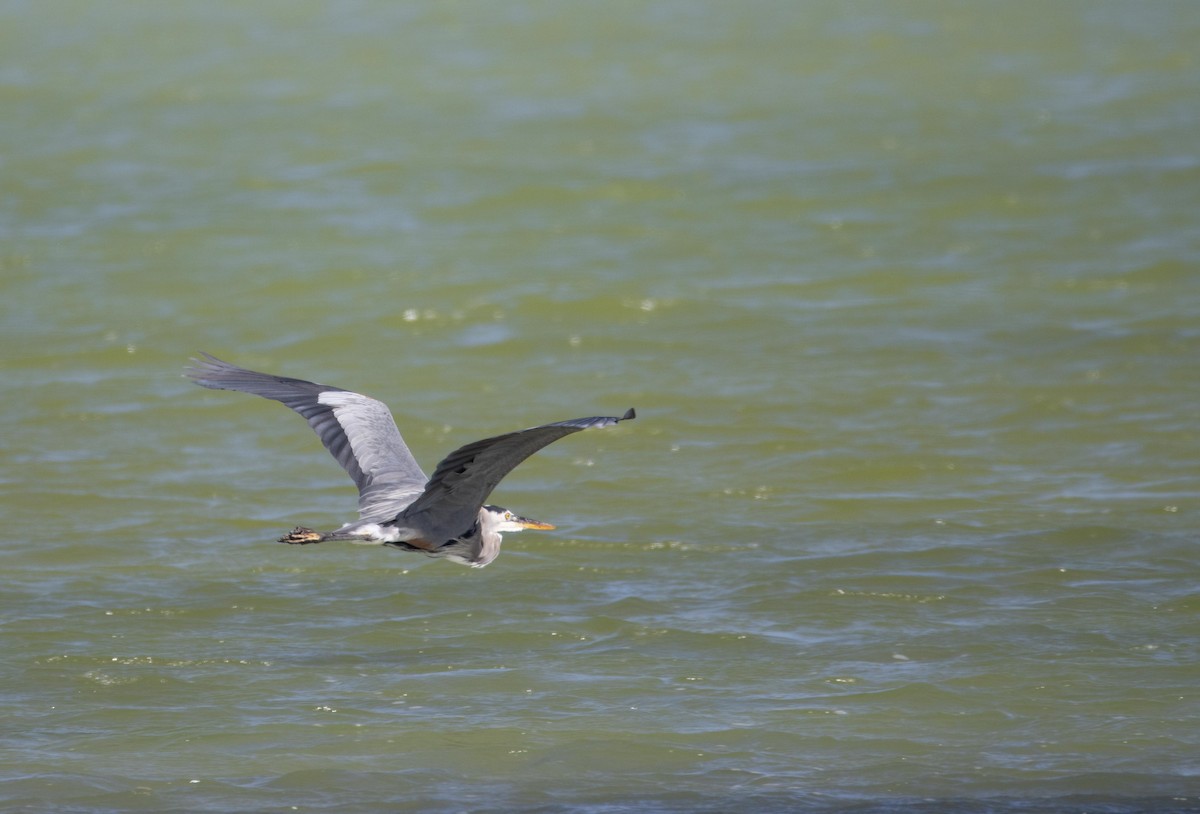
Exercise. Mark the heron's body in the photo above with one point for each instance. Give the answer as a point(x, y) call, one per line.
point(442, 515)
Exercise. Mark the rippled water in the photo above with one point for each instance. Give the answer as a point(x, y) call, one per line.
point(907, 299)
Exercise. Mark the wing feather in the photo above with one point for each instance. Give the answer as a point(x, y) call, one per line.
point(358, 431)
point(464, 478)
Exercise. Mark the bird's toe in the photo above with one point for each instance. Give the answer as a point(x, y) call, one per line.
point(301, 536)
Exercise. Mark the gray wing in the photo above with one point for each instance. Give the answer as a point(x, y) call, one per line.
point(358, 431)
point(464, 479)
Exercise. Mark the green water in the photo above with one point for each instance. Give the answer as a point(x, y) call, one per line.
point(907, 297)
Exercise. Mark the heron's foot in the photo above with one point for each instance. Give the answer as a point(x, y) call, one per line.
point(301, 536)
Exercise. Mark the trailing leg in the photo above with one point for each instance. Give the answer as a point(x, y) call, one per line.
point(302, 535)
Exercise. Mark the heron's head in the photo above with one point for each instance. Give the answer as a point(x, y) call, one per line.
point(503, 520)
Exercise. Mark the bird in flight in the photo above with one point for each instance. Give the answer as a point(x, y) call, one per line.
point(398, 505)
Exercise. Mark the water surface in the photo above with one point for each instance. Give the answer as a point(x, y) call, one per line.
point(906, 297)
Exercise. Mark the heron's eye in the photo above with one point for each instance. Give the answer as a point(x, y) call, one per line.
point(508, 515)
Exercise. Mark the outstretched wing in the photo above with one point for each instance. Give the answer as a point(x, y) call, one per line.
point(358, 431)
point(464, 479)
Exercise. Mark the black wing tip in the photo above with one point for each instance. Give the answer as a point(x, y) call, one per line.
point(628, 415)
point(204, 358)
point(203, 367)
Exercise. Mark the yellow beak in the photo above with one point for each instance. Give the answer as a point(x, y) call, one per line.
point(537, 525)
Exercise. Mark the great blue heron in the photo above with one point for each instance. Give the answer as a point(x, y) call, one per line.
point(441, 516)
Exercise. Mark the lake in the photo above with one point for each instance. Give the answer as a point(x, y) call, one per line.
point(907, 297)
